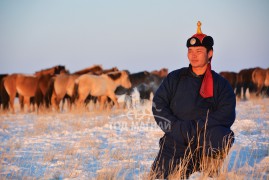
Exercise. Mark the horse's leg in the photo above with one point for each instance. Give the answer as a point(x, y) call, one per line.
point(245, 86)
point(53, 101)
point(26, 101)
point(33, 103)
point(11, 103)
point(72, 101)
point(95, 102)
point(63, 102)
point(102, 100)
point(69, 104)
point(110, 103)
point(58, 101)
point(114, 99)
point(128, 99)
point(259, 90)
point(80, 101)
point(238, 91)
point(21, 102)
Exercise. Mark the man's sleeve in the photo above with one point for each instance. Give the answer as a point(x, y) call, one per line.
point(161, 105)
point(224, 115)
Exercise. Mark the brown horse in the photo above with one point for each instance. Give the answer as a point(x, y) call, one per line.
point(61, 86)
point(42, 96)
point(231, 78)
point(102, 86)
point(96, 70)
point(259, 79)
point(244, 79)
point(24, 85)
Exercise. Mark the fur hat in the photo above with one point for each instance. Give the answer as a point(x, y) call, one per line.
point(200, 39)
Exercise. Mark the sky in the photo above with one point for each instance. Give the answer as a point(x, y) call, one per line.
point(134, 35)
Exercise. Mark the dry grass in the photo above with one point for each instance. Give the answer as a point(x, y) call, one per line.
point(109, 173)
point(49, 156)
point(71, 157)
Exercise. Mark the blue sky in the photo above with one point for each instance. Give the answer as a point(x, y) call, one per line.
point(135, 35)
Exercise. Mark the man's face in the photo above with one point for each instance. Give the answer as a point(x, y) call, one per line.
point(198, 56)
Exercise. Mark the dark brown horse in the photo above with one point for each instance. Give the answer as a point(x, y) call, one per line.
point(231, 78)
point(244, 80)
point(52, 71)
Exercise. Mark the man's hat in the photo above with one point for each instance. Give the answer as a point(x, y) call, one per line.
point(200, 39)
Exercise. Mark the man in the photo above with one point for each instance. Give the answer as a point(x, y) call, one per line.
point(195, 107)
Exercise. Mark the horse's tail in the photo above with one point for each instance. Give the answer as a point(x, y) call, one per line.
point(254, 76)
point(4, 97)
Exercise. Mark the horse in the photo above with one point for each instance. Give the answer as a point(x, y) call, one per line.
point(231, 77)
point(96, 70)
point(24, 85)
point(161, 73)
point(145, 82)
point(63, 86)
point(42, 94)
point(244, 79)
point(93, 98)
point(149, 86)
point(4, 98)
point(102, 86)
point(136, 79)
point(259, 79)
point(60, 86)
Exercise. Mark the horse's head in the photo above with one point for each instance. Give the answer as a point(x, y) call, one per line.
point(125, 81)
point(59, 69)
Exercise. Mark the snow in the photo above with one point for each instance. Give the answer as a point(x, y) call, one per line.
point(116, 143)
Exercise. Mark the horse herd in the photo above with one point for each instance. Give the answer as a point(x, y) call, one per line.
point(256, 80)
point(48, 88)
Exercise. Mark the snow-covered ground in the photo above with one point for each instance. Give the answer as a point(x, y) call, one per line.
point(116, 144)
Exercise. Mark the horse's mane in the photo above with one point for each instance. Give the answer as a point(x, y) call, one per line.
point(114, 75)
